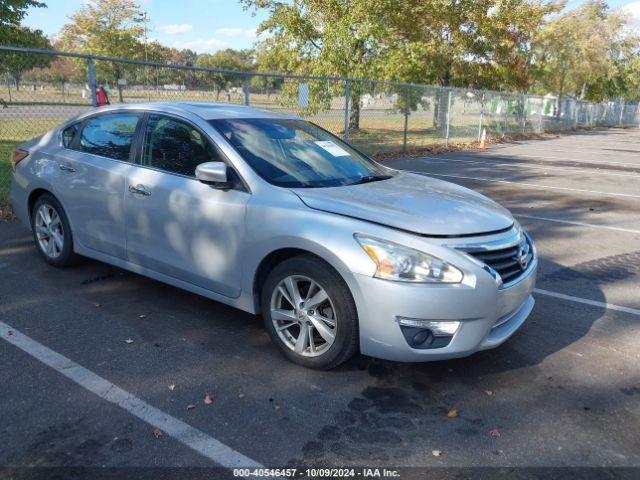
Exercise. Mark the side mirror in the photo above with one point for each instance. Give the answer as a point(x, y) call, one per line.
point(214, 174)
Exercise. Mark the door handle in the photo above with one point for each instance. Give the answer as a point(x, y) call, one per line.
point(66, 168)
point(139, 190)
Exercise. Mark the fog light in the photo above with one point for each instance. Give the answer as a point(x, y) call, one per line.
point(436, 327)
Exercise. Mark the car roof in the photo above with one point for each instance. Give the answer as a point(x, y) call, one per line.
point(206, 111)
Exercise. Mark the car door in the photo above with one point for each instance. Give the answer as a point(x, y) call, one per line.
point(93, 166)
point(175, 224)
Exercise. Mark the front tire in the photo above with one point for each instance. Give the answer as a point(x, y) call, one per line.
point(51, 232)
point(309, 313)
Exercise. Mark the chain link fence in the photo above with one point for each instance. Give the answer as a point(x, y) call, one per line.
point(41, 89)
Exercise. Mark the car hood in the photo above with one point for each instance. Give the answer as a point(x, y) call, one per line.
point(415, 203)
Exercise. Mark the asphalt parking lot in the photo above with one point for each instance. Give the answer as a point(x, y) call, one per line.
point(563, 392)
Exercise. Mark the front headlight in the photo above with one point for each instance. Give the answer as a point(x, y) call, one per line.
point(404, 264)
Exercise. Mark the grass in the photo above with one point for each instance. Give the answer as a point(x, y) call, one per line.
point(5, 174)
point(12, 134)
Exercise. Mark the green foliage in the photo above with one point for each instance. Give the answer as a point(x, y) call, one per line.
point(228, 59)
point(13, 11)
point(109, 28)
point(587, 53)
point(14, 64)
point(322, 37)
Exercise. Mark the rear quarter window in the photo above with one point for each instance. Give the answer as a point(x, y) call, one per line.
point(68, 134)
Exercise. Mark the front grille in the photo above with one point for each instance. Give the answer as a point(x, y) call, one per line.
point(509, 262)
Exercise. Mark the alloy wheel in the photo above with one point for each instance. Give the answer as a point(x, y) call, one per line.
point(49, 231)
point(303, 315)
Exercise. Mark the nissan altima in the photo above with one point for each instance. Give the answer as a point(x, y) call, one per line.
point(276, 216)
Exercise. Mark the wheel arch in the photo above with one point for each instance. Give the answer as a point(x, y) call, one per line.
point(277, 256)
point(33, 198)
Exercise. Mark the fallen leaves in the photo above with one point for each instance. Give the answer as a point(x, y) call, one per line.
point(495, 433)
point(453, 413)
point(208, 399)
point(157, 432)
point(191, 406)
point(488, 392)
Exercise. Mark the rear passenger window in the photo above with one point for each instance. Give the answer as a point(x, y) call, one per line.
point(109, 135)
point(175, 146)
point(68, 135)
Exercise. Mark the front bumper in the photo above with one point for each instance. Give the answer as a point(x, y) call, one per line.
point(489, 314)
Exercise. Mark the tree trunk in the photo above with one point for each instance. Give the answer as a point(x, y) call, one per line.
point(354, 113)
point(441, 102)
point(17, 82)
point(440, 106)
point(118, 76)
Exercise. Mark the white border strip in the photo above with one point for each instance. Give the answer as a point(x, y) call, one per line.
point(586, 301)
point(193, 438)
point(580, 224)
point(536, 166)
point(533, 185)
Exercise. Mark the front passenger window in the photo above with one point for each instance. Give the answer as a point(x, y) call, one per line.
point(175, 146)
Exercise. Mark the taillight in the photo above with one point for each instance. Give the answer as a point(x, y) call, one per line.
point(16, 157)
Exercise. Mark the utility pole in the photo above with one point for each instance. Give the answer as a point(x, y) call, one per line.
point(144, 18)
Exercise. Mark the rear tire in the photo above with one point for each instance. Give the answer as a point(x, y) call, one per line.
point(321, 331)
point(52, 233)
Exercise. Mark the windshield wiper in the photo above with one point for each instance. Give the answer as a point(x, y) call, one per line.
point(370, 178)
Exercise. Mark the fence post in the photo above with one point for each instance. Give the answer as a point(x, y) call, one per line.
point(92, 82)
point(524, 114)
point(406, 119)
point(245, 88)
point(481, 117)
point(621, 113)
point(505, 128)
point(446, 137)
point(347, 101)
point(542, 105)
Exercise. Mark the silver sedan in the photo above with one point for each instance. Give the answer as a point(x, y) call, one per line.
point(274, 215)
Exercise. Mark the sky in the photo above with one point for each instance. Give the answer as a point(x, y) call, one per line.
point(201, 25)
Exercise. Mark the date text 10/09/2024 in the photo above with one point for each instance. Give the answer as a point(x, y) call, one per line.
point(316, 472)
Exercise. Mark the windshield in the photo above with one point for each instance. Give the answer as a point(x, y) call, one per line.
point(295, 153)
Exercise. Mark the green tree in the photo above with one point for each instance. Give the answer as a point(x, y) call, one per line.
point(11, 14)
point(582, 51)
point(110, 28)
point(323, 37)
point(462, 43)
point(228, 59)
point(14, 64)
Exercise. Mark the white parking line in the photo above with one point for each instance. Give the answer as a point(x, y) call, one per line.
point(532, 185)
point(586, 301)
point(580, 224)
point(517, 164)
point(547, 157)
point(193, 438)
